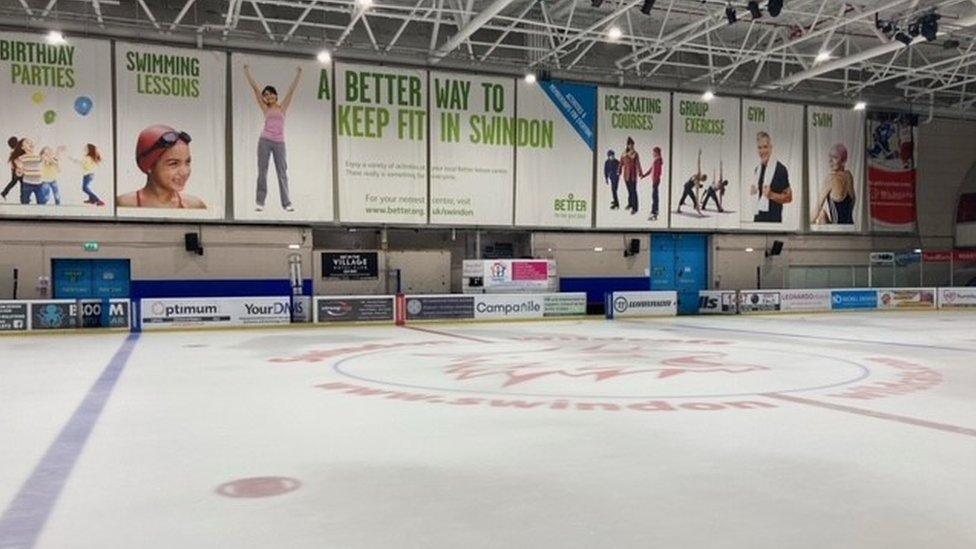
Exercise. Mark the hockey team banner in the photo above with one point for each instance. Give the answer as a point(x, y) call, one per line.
point(772, 166)
point(957, 298)
point(56, 115)
point(363, 308)
point(835, 149)
point(891, 171)
point(217, 312)
point(759, 301)
point(633, 159)
point(282, 139)
point(170, 132)
point(555, 140)
point(715, 302)
point(381, 124)
point(705, 186)
point(472, 149)
point(638, 304)
point(907, 298)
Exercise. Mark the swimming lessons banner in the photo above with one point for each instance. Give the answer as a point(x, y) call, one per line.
point(891, 171)
point(771, 184)
point(282, 139)
point(706, 163)
point(472, 149)
point(632, 188)
point(835, 160)
point(556, 136)
point(170, 132)
point(382, 133)
point(57, 118)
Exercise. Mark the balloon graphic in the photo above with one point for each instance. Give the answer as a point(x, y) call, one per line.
point(83, 105)
point(38, 98)
point(49, 117)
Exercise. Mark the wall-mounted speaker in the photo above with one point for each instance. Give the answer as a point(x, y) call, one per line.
point(633, 248)
point(776, 249)
point(192, 243)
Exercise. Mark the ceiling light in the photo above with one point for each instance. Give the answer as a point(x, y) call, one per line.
point(55, 37)
point(598, 249)
point(860, 106)
point(730, 15)
point(918, 250)
point(530, 78)
point(294, 246)
point(753, 7)
point(708, 95)
point(324, 57)
point(615, 33)
point(822, 56)
point(774, 7)
point(364, 3)
point(647, 7)
point(750, 250)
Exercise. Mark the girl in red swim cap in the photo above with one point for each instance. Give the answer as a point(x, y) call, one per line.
point(163, 154)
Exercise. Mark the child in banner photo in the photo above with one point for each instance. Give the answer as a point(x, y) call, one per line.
point(163, 154)
point(835, 205)
point(611, 176)
point(50, 170)
point(16, 174)
point(88, 162)
point(630, 169)
point(272, 140)
point(657, 168)
point(28, 163)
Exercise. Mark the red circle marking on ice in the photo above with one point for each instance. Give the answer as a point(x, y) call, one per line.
point(258, 487)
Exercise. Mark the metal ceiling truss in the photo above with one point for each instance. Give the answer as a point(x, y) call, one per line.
point(686, 45)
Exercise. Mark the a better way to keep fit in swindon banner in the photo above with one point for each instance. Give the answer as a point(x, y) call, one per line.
point(381, 123)
point(57, 118)
point(472, 149)
point(170, 132)
point(633, 159)
point(771, 188)
point(705, 186)
point(556, 137)
point(282, 138)
point(835, 160)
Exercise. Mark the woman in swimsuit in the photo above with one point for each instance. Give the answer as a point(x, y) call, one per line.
point(163, 154)
point(836, 202)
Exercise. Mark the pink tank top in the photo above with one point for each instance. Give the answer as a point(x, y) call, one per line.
point(274, 126)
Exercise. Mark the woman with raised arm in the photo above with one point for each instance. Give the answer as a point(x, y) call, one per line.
point(836, 202)
point(272, 140)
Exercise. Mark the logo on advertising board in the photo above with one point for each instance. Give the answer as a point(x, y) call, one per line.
point(53, 316)
point(804, 300)
point(335, 309)
point(355, 309)
point(498, 271)
point(351, 265)
point(759, 301)
point(716, 302)
point(175, 310)
point(854, 299)
point(92, 313)
point(908, 299)
point(527, 307)
point(643, 304)
point(620, 304)
point(13, 316)
point(958, 297)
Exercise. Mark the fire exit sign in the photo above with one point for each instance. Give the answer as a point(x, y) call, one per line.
point(91, 246)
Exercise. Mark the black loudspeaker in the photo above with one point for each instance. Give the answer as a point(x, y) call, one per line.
point(633, 248)
point(776, 249)
point(192, 243)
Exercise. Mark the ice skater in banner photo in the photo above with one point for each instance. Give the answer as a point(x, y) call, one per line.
point(16, 174)
point(836, 202)
point(88, 162)
point(883, 134)
point(655, 171)
point(163, 154)
point(630, 169)
point(272, 140)
point(50, 171)
point(771, 186)
point(611, 176)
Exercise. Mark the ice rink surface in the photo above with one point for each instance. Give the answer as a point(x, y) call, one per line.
point(817, 431)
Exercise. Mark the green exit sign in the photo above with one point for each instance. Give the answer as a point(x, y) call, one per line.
point(91, 246)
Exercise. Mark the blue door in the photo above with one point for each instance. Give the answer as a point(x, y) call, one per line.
point(679, 262)
point(91, 278)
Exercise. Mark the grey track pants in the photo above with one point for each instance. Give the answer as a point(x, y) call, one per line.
point(267, 148)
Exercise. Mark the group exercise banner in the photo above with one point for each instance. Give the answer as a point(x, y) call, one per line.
point(633, 166)
point(556, 137)
point(835, 159)
point(382, 144)
point(472, 149)
point(57, 118)
point(282, 112)
point(891, 171)
point(772, 166)
point(170, 131)
point(706, 163)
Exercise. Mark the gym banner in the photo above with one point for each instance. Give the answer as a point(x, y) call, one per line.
point(472, 149)
point(771, 178)
point(282, 139)
point(57, 118)
point(891, 171)
point(555, 137)
point(170, 132)
point(706, 161)
point(835, 160)
point(633, 159)
point(381, 123)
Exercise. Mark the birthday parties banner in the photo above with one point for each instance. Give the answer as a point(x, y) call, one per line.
point(835, 162)
point(771, 180)
point(171, 134)
point(56, 115)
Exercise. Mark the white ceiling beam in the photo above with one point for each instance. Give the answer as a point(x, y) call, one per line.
point(476, 23)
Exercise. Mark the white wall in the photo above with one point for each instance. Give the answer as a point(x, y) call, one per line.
point(575, 256)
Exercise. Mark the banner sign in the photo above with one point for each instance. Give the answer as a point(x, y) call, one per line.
point(705, 186)
point(508, 306)
point(57, 115)
point(835, 149)
point(804, 300)
point(171, 131)
point(714, 302)
point(949, 256)
point(555, 140)
point(53, 314)
point(952, 298)
point(853, 299)
point(382, 144)
point(444, 307)
point(93, 314)
point(13, 316)
point(756, 301)
point(633, 159)
point(891, 171)
point(472, 149)
point(637, 304)
point(354, 309)
point(907, 298)
point(214, 312)
point(282, 135)
point(772, 166)
point(509, 275)
point(350, 265)
point(565, 304)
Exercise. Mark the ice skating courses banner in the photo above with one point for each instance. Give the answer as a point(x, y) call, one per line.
point(771, 188)
point(835, 159)
point(705, 193)
point(57, 117)
point(633, 159)
point(170, 132)
point(382, 144)
point(282, 139)
point(556, 137)
point(472, 149)
point(891, 171)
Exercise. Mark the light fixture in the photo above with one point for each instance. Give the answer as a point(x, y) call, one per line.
point(530, 78)
point(294, 246)
point(55, 37)
point(614, 33)
point(860, 106)
point(750, 250)
point(324, 57)
point(647, 6)
point(822, 56)
point(731, 15)
point(364, 3)
point(918, 250)
point(754, 10)
point(708, 95)
point(598, 249)
point(774, 7)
